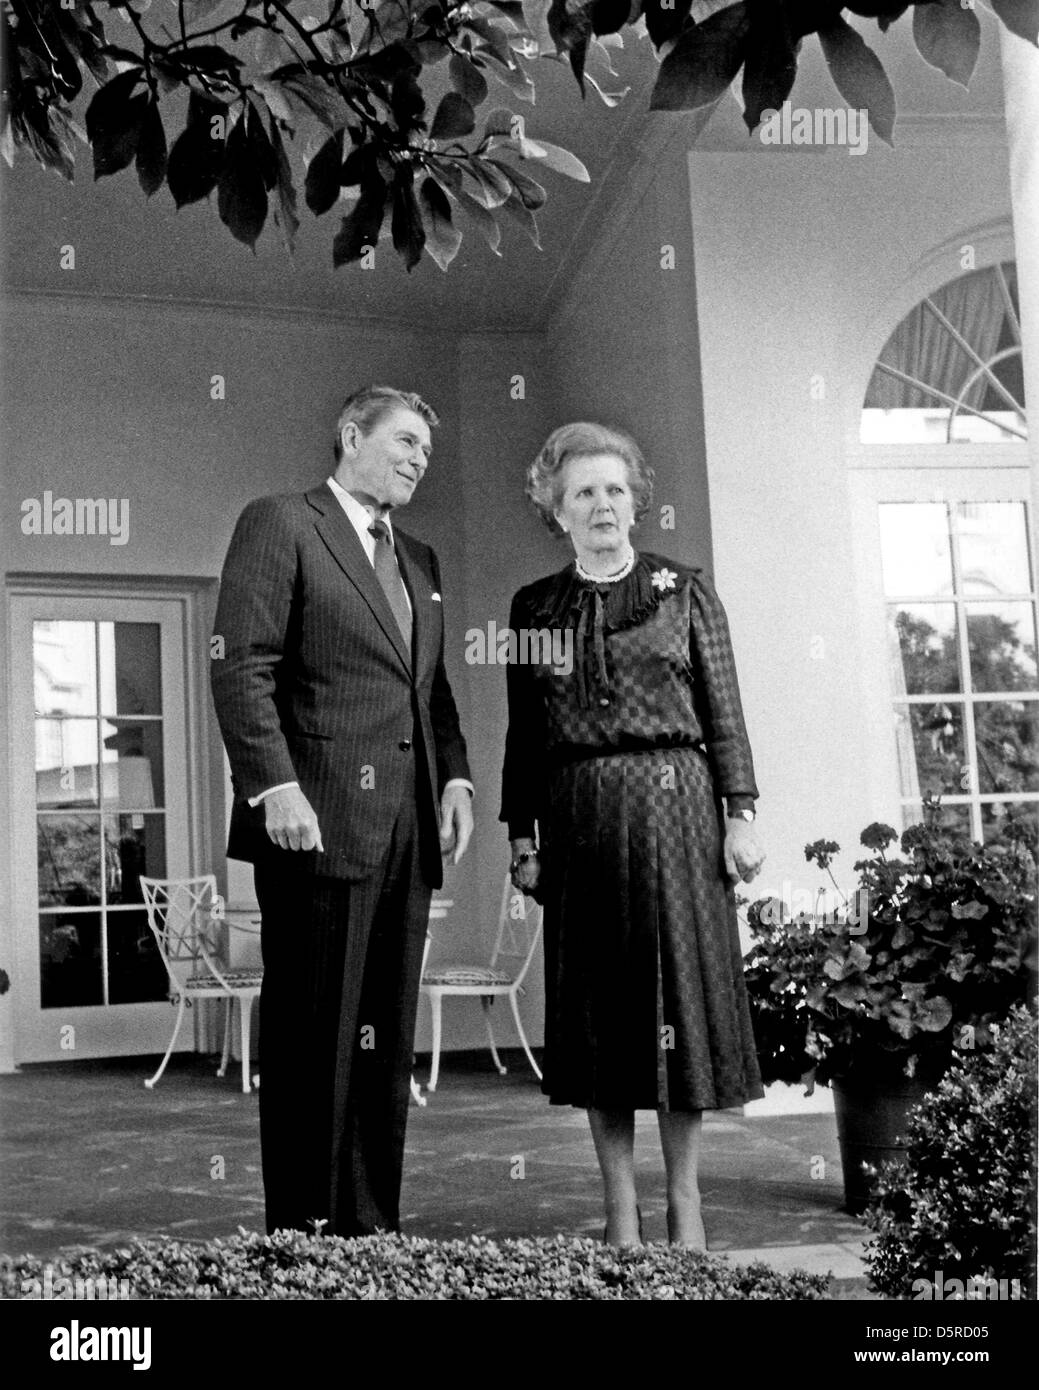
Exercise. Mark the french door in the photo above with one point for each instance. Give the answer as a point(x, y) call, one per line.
point(100, 790)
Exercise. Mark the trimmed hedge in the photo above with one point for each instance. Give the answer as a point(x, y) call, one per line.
point(291, 1265)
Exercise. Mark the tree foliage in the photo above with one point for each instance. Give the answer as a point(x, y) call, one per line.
point(398, 104)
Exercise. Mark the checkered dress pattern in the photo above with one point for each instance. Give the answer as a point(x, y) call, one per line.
point(622, 762)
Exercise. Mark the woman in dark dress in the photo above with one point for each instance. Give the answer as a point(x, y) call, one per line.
point(617, 759)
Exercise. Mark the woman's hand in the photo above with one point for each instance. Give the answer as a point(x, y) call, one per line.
point(744, 854)
point(526, 875)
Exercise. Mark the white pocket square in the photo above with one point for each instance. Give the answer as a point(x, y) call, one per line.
point(434, 598)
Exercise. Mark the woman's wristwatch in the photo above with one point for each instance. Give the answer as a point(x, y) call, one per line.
point(744, 813)
point(522, 858)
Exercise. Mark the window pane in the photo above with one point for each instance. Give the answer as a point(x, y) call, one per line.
point(133, 777)
point(1007, 733)
point(66, 762)
point(930, 749)
point(70, 959)
point(64, 668)
point(993, 547)
point(1008, 820)
point(924, 647)
point(135, 845)
point(136, 973)
point(68, 858)
point(131, 670)
point(948, 817)
point(914, 548)
point(1001, 638)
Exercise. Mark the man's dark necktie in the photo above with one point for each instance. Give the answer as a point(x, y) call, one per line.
point(388, 574)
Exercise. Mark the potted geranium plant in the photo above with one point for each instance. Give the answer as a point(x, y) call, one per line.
point(934, 947)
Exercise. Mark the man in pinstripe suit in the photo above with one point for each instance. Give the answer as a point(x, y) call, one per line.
point(350, 783)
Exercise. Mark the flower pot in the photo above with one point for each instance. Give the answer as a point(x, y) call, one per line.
point(871, 1125)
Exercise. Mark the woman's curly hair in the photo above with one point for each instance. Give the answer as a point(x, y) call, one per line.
point(580, 440)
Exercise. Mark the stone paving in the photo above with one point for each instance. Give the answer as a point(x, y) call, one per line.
point(88, 1156)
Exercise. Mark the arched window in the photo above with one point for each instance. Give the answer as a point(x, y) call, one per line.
point(951, 371)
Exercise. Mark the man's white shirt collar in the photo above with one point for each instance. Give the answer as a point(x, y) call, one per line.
point(359, 515)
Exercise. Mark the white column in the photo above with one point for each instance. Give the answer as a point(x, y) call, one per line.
point(1021, 94)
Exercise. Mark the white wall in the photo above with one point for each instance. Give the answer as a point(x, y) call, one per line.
point(805, 262)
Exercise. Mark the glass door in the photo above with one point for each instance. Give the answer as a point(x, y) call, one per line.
point(100, 782)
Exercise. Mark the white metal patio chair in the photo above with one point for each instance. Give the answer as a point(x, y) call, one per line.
point(519, 931)
point(181, 916)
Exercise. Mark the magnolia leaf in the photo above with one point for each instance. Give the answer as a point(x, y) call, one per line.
point(409, 235)
point(515, 208)
point(664, 22)
point(151, 150)
point(467, 79)
point(361, 226)
point(241, 194)
point(454, 118)
point(194, 10)
point(312, 95)
point(285, 215)
point(113, 122)
point(323, 175)
point(609, 15)
point(562, 161)
point(493, 188)
point(442, 238)
point(948, 37)
point(197, 158)
point(703, 62)
point(272, 94)
point(531, 193)
point(484, 220)
point(771, 65)
point(859, 76)
point(500, 122)
point(610, 99)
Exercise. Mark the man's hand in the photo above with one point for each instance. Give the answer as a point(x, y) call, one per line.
point(743, 851)
point(456, 822)
point(291, 822)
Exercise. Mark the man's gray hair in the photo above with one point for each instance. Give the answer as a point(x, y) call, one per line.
point(366, 407)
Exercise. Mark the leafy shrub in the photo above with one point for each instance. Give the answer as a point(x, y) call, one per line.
point(291, 1265)
point(937, 946)
point(961, 1202)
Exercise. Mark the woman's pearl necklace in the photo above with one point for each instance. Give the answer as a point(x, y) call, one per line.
point(622, 573)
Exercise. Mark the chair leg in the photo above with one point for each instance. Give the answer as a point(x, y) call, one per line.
point(523, 1037)
point(416, 1093)
point(225, 1056)
point(485, 1001)
point(245, 1010)
point(169, 1051)
point(434, 1009)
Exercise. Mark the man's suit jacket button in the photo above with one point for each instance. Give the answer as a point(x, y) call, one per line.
point(404, 744)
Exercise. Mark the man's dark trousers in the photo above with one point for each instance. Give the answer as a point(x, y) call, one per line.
point(342, 963)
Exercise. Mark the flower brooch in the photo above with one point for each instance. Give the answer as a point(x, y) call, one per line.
point(663, 579)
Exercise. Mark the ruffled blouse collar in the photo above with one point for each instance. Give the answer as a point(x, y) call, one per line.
point(593, 611)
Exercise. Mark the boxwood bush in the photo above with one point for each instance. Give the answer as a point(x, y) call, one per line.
point(291, 1265)
point(961, 1203)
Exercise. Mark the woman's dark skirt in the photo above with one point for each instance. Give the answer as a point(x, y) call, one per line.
point(645, 1002)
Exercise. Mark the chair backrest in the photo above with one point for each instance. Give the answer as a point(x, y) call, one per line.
point(519, 930)
point(180, 914)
